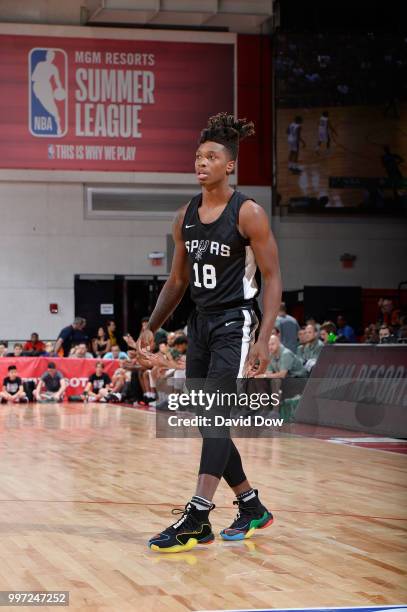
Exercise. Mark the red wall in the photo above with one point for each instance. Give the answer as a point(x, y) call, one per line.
point(254, 101)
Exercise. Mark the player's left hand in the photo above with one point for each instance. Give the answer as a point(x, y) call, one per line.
point(145, 340)
point(258, 359)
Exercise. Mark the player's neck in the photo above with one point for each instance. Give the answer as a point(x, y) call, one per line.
point(216, 194)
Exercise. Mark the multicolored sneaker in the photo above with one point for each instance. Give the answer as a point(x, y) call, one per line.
point(252, 515)
point(191, 529)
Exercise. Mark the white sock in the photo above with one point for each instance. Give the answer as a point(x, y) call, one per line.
point(201, 503)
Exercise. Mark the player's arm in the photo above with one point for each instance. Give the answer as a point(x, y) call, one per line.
point(177, 282)
point(254, 224)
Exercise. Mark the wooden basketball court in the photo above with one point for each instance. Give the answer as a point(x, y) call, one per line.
point(356, 150)
point(82, 487)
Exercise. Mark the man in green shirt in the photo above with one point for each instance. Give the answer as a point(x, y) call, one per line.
point(313, 345)
point(284, 363)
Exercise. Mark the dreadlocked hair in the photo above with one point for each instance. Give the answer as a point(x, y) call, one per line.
point(228, 131)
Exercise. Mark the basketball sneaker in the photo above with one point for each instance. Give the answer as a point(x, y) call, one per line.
point(191, 529)
point(252, 515)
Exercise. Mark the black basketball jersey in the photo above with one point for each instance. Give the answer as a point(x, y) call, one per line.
point(222, 268)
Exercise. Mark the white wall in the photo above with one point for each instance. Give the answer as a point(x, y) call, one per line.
point(310, 251)
point(310, 248)
point(45, 241)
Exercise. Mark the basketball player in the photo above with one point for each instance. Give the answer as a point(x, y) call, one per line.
point(294, 139)
point(222, 237)
point(325, 129)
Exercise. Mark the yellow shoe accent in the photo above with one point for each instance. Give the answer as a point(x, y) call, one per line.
point(177, 548)
point(250, 533)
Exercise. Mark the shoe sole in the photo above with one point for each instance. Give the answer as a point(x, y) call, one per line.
point(248, 534)
point(192, 542)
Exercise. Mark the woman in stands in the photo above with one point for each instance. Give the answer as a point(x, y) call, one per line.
point(101, 344)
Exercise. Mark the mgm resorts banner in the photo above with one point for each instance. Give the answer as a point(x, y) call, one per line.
point(107, 104)
point(358, 387)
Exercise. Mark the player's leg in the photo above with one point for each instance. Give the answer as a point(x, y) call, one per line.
point(252, 514)
point(193, 527)
point(230, 353)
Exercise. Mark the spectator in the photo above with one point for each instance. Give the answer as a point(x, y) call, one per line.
point(288, 327)
point(313, 321)
point(179, 347)
point(170, 339)
point(97, 387)
point(81, 352)
point(386, 335)
point(345, 330)
point(34, 346)
point(284, 363)
point(13, 390)
point(3, 348)
point(301, 341)
point(70, 336)
point(312, 347)
point(119, 380)
point(111, 332)
point(371, 335)
point(328, 332)
point(116, 353)
point(101, 344)
point(51, 386)
point(17, 350)
point(49, 349)
point(387, 314)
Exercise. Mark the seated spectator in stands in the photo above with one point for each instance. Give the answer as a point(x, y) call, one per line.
point(313, 321)
point(3, 348)
point(371, 335)
point(328, 332)
point(49, 349)
point(17, 350)
point(179, 347)
point(51, 386)
point(111, 332)
point(283, 363)
point(170, 339)
point(34, 346)
point(97, 387)
point(301, 342)
point(345, 330)
point(288, 327)
point(386, 335)
point(312, 347)
point(71, 336)
point(119, 380)
point(101, 344)
point(387, 313)
point(116, 353)
point(13, 390)
point(81, 352)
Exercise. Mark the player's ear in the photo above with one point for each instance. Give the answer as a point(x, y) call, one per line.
point(230, 166)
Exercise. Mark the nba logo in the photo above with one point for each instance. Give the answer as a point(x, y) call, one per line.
point(48, 92)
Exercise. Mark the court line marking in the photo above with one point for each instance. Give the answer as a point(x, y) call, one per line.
point(372, 607)
point(166, 504)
